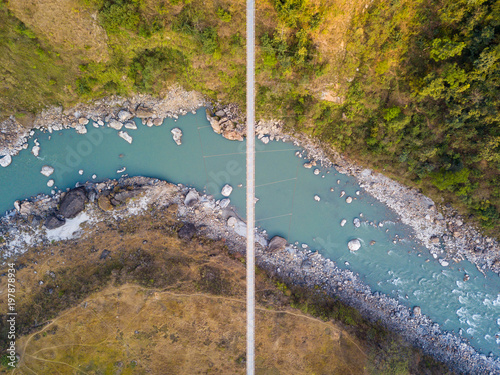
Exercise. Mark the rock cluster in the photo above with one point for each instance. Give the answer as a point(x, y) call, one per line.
point(225, 123)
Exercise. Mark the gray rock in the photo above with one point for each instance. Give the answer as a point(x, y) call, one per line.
point(124, 115)
point(143, 112)
point(83, 121)
point(191, 198)
point(115, 124)
point(130, 125)
point(157, 121)
point(417, 311)
point(35, 150)
point(226, 190)
point(177, 135)
point(125, 136)
point(54, 222)
point(354, 245)
point(224, 202)
point(356, 222)
point(73, 203)
point(47, 170)
point(277, 243)
point(220, 113)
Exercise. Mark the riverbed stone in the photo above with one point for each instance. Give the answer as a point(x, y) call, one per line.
point(277, 243)
point(5, 160)
point(35, 150)
point(348, 200)
point(47, 170)
point(417, 311)
point(226, 190)
point(104, 203)
point(124, 135)
point(117, 125)
point(232, 135)
point(83, 121)
point(143, 112)
point(73, 203)
point(50, 183)
point(356, 222)
point(177, 135)
point(191, 198)
point(124, 115)
point(343, 222)
point(354, 245)
point(224, 202)
point(157, 121)
point(130, 125)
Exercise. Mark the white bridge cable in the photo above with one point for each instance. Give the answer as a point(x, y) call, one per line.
point(250, 196)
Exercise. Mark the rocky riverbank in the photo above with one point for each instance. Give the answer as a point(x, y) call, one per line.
point(448, 237)
point(439, 228)
point(73, 214)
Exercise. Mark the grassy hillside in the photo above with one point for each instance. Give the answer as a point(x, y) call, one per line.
point(136, 299)
point(409, 87)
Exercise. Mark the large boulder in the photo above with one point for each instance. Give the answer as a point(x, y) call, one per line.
point(124, 115)
point(143, 112)
point(117, 125)
point(226, 190)
point(47, 170)
point(72, 203)
point(191, 198)
point(232, 135)
point(125, 136)
point(187, 231)
point(214, 123)
point(354, 245)
point(177, 135)
point(54, 222)
point(277, 243)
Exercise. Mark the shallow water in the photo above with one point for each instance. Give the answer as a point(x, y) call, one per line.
point(286, 206)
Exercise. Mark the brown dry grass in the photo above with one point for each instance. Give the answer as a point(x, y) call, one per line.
point(140, 330)
point(66, 25)
point(187, 316)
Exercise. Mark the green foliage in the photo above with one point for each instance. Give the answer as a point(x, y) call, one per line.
point(116, 15)
point(150, 68)
point(209, 40)
point(21, 29)
point(457, 182)
point(224, 15)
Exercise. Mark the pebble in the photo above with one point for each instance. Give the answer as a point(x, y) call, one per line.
point(317, 198)
point(80, 172)
point(348, 200)
point(343, 222)
point(316, 171)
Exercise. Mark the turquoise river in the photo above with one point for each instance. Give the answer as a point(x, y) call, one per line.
point(395, 265)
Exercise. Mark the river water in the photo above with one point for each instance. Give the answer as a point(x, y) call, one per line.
point(395, 264)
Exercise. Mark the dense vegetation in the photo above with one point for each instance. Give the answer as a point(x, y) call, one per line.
point(413, 85)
